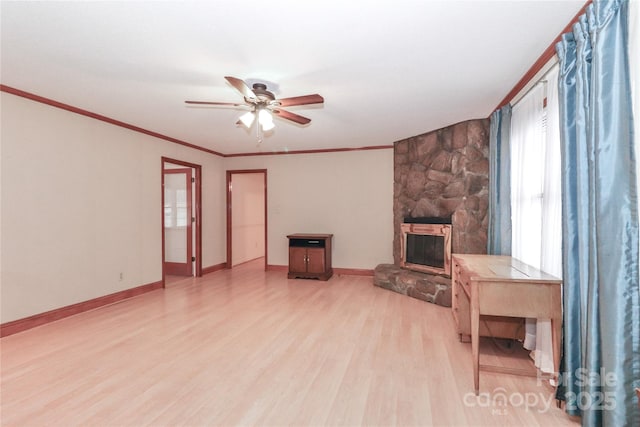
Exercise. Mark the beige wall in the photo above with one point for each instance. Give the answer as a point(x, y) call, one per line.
point(349, 194)
point(81, 203)
point(247, 202)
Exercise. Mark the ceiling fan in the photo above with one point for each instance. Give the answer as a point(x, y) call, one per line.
point(264, 105)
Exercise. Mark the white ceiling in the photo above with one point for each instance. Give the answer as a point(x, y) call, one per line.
point(387, 69)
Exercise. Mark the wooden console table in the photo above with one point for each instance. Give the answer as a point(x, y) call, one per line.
point(504, 286)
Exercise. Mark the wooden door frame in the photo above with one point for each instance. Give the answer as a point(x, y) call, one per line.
point(230, 174)
point(189, 231)
point(197, 210)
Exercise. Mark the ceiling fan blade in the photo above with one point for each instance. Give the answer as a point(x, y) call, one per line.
point(300, 100)
point(234, 104)
point(242, 87)
point(291, 116)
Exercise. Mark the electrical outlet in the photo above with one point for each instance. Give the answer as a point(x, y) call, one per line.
point(121, 276)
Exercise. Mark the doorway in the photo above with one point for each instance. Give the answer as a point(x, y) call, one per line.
point(181, 219)
point(246, 216)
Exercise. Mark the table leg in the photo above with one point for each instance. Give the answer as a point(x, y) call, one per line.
point(556, 339)
point(475, 338)
point(556, 329)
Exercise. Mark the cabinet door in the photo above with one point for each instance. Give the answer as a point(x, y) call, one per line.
point(297, 260)
point(316, 260)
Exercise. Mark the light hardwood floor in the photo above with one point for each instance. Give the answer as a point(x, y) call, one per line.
point(245, 347)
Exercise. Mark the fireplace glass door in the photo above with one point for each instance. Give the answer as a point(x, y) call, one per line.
point(425, 250)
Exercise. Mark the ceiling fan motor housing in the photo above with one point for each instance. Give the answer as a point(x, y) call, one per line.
point(263, 95)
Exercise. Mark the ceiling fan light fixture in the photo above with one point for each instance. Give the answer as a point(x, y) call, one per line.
point(266, 120)
point(247, 118)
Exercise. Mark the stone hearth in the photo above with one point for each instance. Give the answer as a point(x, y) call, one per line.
point(427, 287)
point(443, 173)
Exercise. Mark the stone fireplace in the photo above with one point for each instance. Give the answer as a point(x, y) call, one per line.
point(440, 174)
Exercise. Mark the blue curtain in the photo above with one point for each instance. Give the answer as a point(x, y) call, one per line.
point(601, 360)
point(499, 237)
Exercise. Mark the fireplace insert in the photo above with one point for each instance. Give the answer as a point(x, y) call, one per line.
point(426, 248)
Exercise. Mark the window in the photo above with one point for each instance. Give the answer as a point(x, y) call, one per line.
point(536, 201)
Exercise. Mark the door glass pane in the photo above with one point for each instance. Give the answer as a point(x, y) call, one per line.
point(175, 217)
